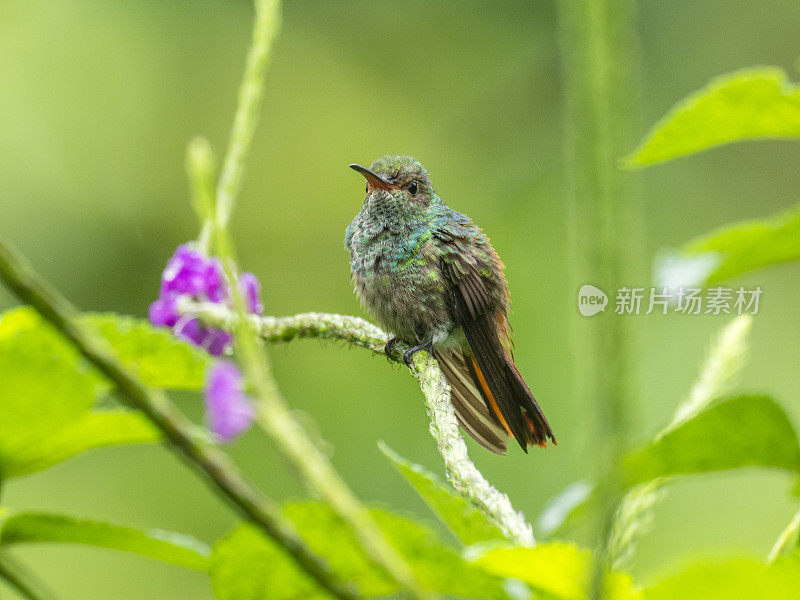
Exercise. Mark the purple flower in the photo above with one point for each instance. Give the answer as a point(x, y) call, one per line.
point(228, 411)
point(252, 292)
point(190, 273)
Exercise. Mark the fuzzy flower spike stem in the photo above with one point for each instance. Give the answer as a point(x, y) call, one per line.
point(461, 472)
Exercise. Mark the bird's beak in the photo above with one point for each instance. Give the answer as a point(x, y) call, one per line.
point(374, 179)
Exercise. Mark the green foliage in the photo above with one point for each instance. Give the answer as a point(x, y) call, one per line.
point(741, 578)
point(737, 249)
point(154, 354)
point(748, 104)
point(175, 548)
point(92, 430)
point(247, 566)
point(48, 390)
point(731, 433)
point(464, 520)
point(44, 386)
point(49, 393)
point(736, 432)
point(557, 570)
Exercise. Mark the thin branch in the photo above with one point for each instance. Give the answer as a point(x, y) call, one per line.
point(22, 580)
point(182, 435)
point(460, 470)
point(200, 169)
point(251, 91)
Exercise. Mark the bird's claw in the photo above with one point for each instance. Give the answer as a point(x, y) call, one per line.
point(409, 354)
point(388, 349)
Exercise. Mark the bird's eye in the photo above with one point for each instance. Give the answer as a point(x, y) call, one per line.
point(366, 188)
point(412, 188)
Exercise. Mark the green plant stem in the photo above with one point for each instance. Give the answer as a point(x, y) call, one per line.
point(460, 470)
point(272, 410)
point(210, 462)
point(251, 91)
point(315, 469)
point(313, 325)
point(598, 47)
point(22, 580)
point(200, 169)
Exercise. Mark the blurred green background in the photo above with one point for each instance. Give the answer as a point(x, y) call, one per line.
point(99, 99)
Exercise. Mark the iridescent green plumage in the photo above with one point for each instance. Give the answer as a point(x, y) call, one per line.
point(431, 277)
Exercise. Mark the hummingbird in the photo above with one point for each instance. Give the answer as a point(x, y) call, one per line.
point(430, 276)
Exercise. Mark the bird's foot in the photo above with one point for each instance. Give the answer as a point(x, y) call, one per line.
point(409, 354)
point(388, 349)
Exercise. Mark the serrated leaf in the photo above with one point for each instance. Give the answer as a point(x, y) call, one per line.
point(93, 430)
point(175, 548)
point(741, 578)
point(744, 431)
point(744, 105)
point(464, 520)
point(158, 357)
point(556, 569)
point(733, 250)
point(247, 566)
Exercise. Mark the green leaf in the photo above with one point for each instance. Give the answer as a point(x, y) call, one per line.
point(741, 578)
point(733, 250)
point(747, 104)
point(736, 432)
point(155, 354)
point(247, 566)
point(466, 522)
point(44, 388)
point(48, 390)
point(93, 430)
point(174, 548)
point(558, 570)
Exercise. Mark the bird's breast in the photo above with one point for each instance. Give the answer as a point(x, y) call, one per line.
point(399, 280)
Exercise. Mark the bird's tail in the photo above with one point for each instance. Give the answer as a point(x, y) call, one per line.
point(502, 389)
point(470, 402)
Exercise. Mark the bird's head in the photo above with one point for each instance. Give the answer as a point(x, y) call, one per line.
point(397, 180)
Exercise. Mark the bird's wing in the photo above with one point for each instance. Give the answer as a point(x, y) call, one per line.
point(478, 305)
